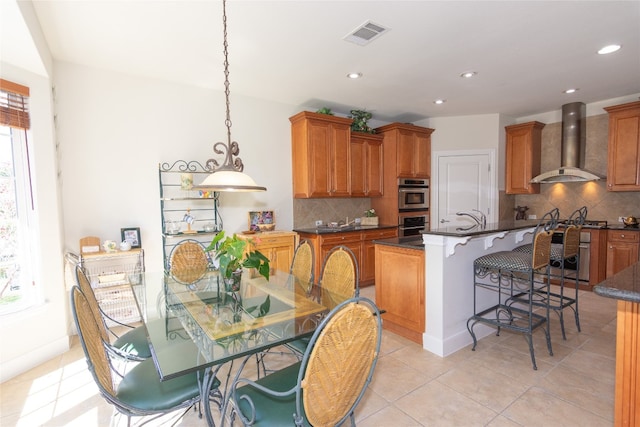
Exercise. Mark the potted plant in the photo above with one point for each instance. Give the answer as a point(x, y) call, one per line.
point(370, 217)
point(232, 256)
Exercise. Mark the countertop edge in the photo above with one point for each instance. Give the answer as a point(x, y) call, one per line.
point(624, 285)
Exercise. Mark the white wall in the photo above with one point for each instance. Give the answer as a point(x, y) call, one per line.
point(35, 335)
point(115, 129)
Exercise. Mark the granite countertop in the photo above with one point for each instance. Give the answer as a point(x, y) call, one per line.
point(330, 230)
point(624, 285)
point(457, 231)
point(411, 242)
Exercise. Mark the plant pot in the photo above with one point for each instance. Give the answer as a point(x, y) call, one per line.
point(369, 220)
point(232, 284)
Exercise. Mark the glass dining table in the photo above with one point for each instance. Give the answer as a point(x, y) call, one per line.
point(211, 325)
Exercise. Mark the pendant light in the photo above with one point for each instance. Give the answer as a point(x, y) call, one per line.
point(229, 175)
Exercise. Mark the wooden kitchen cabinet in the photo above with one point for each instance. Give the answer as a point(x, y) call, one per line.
point(367, 164)
point(622, 250)
point(400, 290)
point(320, 147)
point(360, 242)
point(523, 157)
point(413, 149)
point(278, 246)
point(623, 172)
point(368, 260)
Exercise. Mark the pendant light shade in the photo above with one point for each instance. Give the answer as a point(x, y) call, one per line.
point(230, 181)
point(229, 176)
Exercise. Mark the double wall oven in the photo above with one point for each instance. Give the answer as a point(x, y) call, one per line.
point(413, 206)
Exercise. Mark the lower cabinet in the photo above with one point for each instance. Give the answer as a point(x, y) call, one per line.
point(278, 246)
point(400, 290)
point(622, 250)
point(361, 244)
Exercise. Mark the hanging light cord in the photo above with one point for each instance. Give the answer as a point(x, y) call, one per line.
point(230, 149)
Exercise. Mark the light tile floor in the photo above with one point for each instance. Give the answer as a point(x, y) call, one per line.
point(492, 386)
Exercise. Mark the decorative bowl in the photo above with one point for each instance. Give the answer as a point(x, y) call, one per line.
point(110, 246)
point(266, 227)
point(630, 221)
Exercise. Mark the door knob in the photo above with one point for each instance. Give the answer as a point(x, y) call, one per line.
point(442, 221)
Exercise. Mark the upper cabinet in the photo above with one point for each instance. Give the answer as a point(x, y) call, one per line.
point(321, 155)
point(413, 149)
point(522, 161)
point(623, 172)
point(331, 161)
point(366, 165)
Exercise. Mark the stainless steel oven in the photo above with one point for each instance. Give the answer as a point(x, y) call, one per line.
point(413, 194)
point(570, 266)
point(412, 224)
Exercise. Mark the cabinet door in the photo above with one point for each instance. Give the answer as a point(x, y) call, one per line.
point(400, 290)
point(374, 168)
point(523, 157)
point(406, 154)
point(368, 260)
point(422, 155)
point(320, 147)
point(621, 255)
point(358, 166)
point(281, 258)
point(624, 148)
point(339, 161)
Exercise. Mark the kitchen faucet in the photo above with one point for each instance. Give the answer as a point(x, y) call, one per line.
point(480, 220)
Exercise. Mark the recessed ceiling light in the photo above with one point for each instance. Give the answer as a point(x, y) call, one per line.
point(354, 75)
point(468, 74)
point(439, 101)
point(609, 49)
point(572, 90)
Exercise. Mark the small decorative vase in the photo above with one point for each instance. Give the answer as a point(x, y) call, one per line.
point(369, 220)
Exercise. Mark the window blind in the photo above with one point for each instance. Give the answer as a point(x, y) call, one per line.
point(14, 105)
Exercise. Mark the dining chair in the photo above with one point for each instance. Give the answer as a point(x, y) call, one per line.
point(303, 263)
point(325, 387)
point(339, 281)
point(188, 261)
point(139, 392)
point(132, 345)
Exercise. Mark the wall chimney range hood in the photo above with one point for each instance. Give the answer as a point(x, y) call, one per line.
point(573, 144)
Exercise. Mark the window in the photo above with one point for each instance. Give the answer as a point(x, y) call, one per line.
point(17, 286)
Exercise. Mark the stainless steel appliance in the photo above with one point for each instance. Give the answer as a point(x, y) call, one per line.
point(413, 194)
point(412, 224)
point(570, 266)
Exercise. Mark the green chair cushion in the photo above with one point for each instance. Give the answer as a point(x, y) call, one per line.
point(134, 342)
point(271, 410)
point(299, 345)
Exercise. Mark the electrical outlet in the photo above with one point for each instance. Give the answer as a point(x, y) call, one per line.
point(533, 216)
point(620, 219)
point(318, 223)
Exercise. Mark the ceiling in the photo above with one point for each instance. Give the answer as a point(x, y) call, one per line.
point(525, 53)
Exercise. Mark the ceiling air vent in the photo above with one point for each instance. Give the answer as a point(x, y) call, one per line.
point(365, 33)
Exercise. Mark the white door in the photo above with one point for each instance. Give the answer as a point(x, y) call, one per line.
point(465, 181)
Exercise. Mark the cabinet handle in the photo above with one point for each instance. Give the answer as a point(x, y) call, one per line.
point(622, 235)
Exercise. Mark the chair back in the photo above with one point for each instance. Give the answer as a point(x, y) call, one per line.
point(542, 239)
point(303, 263)
point(339, 278)
point(188, 261)
point(571, 241)
point(339, 362)
point(92, 302)
point(91, 340)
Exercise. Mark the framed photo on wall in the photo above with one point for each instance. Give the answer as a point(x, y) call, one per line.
point(131, 235)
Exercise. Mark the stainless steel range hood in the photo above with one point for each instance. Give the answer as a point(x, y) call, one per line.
point(573, 144)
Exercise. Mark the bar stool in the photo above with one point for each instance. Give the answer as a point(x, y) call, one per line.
point(562, 253)
point(509, 273)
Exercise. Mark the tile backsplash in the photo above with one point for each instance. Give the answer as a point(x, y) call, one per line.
point(307, 211)
point(601, 204)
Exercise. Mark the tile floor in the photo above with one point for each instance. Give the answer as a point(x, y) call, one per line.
point(492, 386)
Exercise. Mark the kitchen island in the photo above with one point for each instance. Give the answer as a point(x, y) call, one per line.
point(449, 253)
point(625, 287)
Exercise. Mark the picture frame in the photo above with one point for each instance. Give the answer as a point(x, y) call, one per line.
point(132, 235)
point(262, 221)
